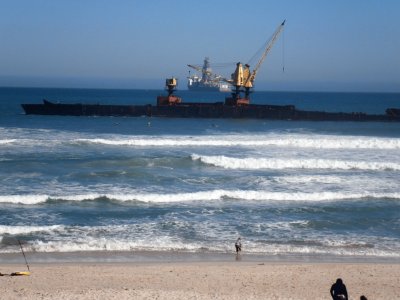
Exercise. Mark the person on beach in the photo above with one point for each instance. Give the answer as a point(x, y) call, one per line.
point(339, 291)
point(238, 245)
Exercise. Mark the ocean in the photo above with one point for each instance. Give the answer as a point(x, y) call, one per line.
point(82, 184)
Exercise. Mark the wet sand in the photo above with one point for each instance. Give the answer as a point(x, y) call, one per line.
point(199, 280)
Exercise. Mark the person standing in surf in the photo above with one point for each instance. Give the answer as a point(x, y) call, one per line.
point(238, 245)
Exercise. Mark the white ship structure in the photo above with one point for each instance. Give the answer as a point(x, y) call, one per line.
point(207, 81)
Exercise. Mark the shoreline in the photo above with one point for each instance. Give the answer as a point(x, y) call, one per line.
point(178, 256)
point(199, 280)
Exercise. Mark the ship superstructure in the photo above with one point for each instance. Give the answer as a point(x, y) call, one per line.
point(207, 81)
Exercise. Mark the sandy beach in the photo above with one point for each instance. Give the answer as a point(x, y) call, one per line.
point(199, 280)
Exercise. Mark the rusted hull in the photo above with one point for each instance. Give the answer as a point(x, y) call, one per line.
point(205, 110)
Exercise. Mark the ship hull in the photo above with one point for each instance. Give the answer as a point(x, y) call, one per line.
point(201, 87)
point(203, 110)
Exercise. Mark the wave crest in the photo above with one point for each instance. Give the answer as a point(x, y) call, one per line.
point(296, 141)
point(279, 164)
point(213, 195)
point(5, 142)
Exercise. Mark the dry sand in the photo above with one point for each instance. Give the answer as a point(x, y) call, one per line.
point(199, 280)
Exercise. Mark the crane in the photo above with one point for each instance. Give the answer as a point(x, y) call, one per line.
point(244, 77)
point(207, 74)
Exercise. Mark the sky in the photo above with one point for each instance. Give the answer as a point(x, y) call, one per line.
point(330, 45)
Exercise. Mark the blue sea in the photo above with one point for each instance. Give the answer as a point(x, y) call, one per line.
point(84, 184)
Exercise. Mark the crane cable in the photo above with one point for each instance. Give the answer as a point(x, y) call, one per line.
point(283, 51)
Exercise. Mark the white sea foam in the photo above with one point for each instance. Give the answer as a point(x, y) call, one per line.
point(111, 244)
point(212, 195)
point(8, 141)
point(274, 249)
point(24, 199)
point(317, 141)
point(146, 236)
point(284, 140)
point(60, 238)
point(165, 243)
point(303, 179)
point(14, 230)
point(252, 163)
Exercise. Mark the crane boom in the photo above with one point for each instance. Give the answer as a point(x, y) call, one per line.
point(196, 68)
point(207, 74)
point(250, 79)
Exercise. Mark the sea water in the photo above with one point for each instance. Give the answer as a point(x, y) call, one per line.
point(194, 185)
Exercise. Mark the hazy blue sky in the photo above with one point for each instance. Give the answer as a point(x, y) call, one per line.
point(341, 45)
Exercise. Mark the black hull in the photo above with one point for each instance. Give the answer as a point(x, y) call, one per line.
point(205, 110)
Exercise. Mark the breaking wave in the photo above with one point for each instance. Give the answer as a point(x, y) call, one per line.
point(279, 164)
point(5, 142)
point(213, 195)
point(15, 230)
point(298, 141)
point(137, 237)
